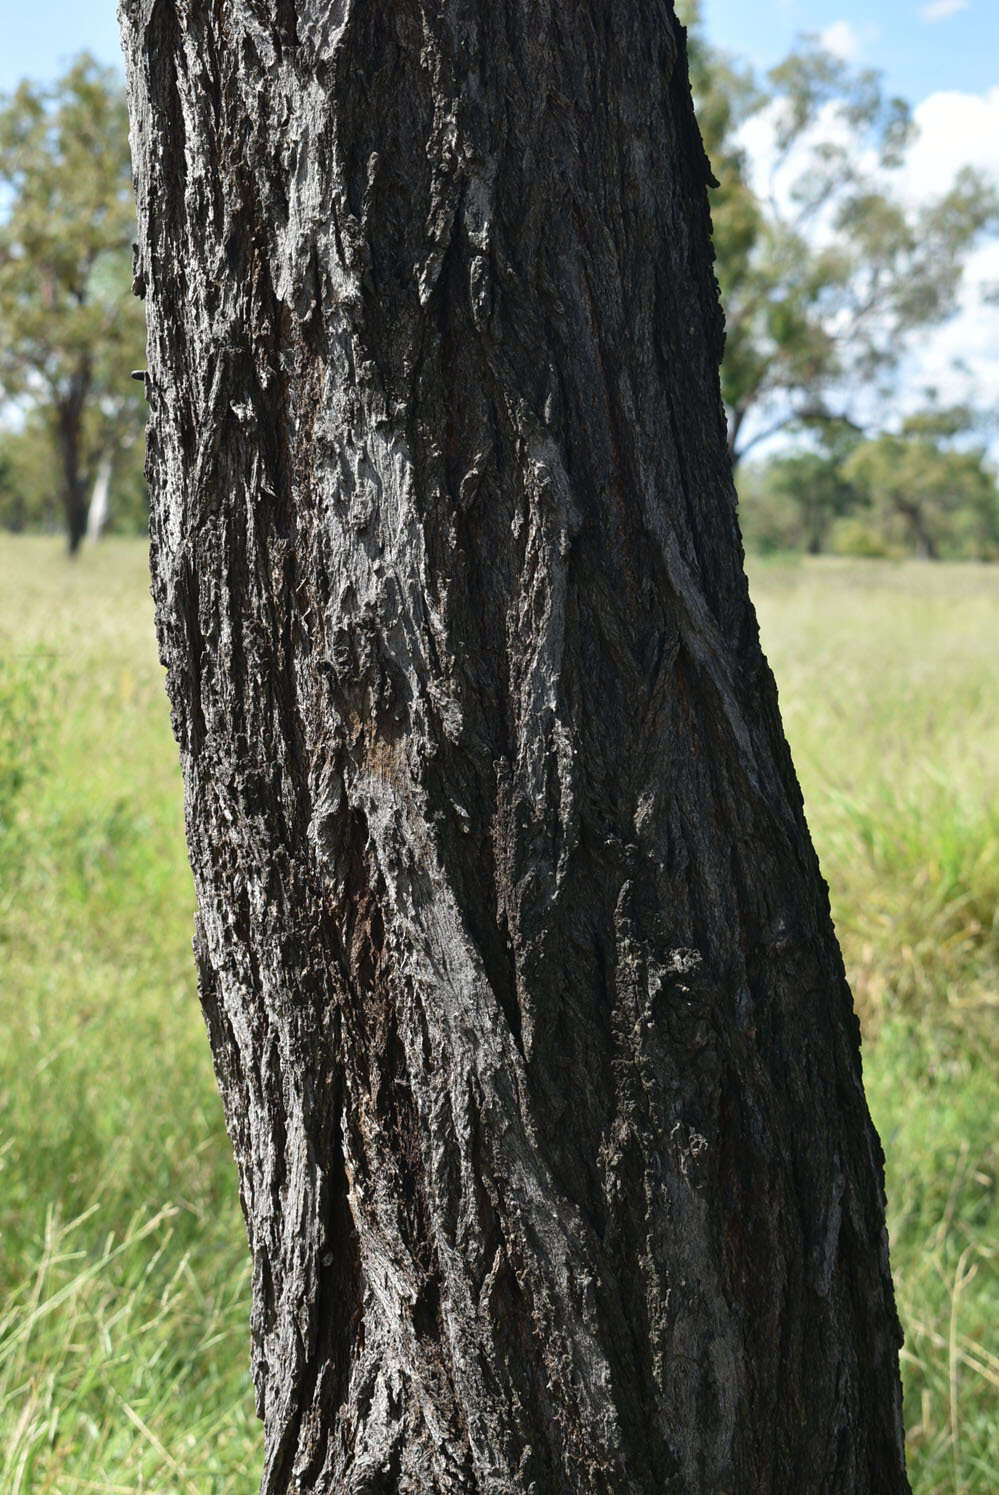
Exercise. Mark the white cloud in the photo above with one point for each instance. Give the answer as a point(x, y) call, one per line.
point(960, 360)
point(954, 130)
point(843, 40)
point(941, 10)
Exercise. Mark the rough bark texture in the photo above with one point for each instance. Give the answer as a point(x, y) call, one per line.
point(532, 1032)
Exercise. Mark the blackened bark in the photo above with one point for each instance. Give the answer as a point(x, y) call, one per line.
point(532, 1032)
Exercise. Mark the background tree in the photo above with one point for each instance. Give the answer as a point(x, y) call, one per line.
point(31, 480)
point(827, 272)
point(71, 331)
point(30, 496)
point(812, 487)
point(922, 490)
point(926, 494)
point(532, 1032)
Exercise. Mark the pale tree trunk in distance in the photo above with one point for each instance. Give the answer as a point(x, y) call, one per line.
point(97, 514)
point(533, 1036)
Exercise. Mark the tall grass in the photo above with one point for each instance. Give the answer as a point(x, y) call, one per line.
point(889, 688)
point(123, 1354)
point(123, 1336)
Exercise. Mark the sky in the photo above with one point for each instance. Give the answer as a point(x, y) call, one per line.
point(921, 46)
point(41, 36)
point(941, 55)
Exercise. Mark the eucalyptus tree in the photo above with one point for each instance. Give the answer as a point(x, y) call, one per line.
point(69, 328)
point(532, 1032)
point(829, 268)
point(925, 492)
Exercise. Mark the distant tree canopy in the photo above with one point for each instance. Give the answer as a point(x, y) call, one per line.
point(828, 273)
point(32, 482)
point(921, 490)
point(923, 493)
point(799, 495)
point(71, 328)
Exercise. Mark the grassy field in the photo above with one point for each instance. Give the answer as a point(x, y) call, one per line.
point(124, 1281)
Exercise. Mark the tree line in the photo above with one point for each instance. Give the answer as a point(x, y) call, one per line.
point(827, 276)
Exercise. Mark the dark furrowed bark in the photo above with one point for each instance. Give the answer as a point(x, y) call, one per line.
point(530, 1025)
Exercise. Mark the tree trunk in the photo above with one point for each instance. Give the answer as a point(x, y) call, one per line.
point(533, 1036)
point(733, 427)
point(97, 514)
point(69, 431)
point(914, 518)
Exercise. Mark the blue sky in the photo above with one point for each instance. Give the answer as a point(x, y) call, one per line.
point(41, 36)
point(922, 46)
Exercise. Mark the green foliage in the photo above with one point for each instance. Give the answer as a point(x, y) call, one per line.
point(927, 496)
point(827, 275)
point(815, 488)
point(768, 518)
point(72, 330)
point(860, 539)
point(31, 481)
point(909, 493)
point(123, 1344)
point(67, 227)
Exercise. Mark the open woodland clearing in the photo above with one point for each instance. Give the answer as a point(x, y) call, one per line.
point(123, 1339)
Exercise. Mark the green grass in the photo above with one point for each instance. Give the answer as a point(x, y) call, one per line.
point(123, 1353)
point(123, 1339)
point(889, 689)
